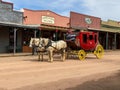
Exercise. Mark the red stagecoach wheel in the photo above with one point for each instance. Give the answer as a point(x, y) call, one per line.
point(81, 54)
point(99, 51)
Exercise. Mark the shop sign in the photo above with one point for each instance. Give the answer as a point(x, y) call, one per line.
point(88, 20)
point(47, 19)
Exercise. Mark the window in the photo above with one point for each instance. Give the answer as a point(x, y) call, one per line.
point(84, 38)
point(95, 38)
point(90, 37)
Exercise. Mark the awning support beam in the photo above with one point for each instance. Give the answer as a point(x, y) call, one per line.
point(107, 40)
point(15, 35)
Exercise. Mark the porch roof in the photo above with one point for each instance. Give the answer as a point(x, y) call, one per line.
point(54, 27)
point(15, 25)
point(105, 30)
point(101, 29)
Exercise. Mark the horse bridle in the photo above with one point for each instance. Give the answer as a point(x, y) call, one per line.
point(49, 43)
point(42, 43)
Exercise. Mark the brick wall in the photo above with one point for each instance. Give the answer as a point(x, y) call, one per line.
point(35, 17)
point(84, 21)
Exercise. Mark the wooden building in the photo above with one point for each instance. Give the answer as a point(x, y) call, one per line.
point(50, 23)
point(110, 34)
point(12, 29)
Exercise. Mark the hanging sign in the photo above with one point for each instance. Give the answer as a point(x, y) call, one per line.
point(47, 19)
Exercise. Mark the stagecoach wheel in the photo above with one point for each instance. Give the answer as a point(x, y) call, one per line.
point(81, 54)
point(99, 51)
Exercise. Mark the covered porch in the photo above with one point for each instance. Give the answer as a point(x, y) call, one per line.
point(13, 36)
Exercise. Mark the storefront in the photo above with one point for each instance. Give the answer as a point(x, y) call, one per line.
point(52, 25)
point(12, 31)
point(14, 37)
point(111, 32)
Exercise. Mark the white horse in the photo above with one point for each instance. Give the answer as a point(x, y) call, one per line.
point(52, 46)
point(34, 43)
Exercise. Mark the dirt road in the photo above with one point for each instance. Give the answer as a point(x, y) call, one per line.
point(26, 73)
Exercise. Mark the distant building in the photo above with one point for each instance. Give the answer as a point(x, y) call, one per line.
point(110, 34)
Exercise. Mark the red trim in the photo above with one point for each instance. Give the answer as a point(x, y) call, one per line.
point(56, 30)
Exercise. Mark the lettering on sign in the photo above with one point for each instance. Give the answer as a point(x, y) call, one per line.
point(47, 19)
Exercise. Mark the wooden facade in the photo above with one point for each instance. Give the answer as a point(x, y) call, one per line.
point(52, 25)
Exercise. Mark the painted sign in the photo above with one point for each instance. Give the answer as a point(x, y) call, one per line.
point(88, 20)
point(47, 19)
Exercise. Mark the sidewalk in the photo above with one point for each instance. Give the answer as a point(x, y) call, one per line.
point(14, 55)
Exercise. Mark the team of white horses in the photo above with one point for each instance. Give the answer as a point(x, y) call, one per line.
point(47, 45)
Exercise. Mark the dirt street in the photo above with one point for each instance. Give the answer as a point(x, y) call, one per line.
point(27, 73)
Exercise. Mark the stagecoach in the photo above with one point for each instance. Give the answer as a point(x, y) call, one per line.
point(81, 43)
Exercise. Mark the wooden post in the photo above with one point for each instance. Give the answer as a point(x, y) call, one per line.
point(115, 35)
point(34, 48)
point(35, 33)
point(40, 32)
point(15, 35)
point(107, 40)
point(56, 35)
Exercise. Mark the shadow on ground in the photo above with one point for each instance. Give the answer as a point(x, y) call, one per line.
point(109, 83)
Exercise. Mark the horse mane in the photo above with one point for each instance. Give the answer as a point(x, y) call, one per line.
point(33, 41)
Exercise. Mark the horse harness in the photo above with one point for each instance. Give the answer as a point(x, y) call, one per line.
point(49, 44)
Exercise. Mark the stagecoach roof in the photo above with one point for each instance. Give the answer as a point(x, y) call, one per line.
point(16, 25)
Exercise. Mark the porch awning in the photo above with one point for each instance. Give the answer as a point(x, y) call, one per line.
point(105, 30)
point(51, 27)
point(101, 29)
point(19, 25)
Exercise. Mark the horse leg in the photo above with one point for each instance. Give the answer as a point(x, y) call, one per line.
point(42, 56)
point(49, 59)
point(51, 55)
point(38, 56)
point(63, 55)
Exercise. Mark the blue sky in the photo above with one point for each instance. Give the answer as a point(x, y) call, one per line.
point(105, 9)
